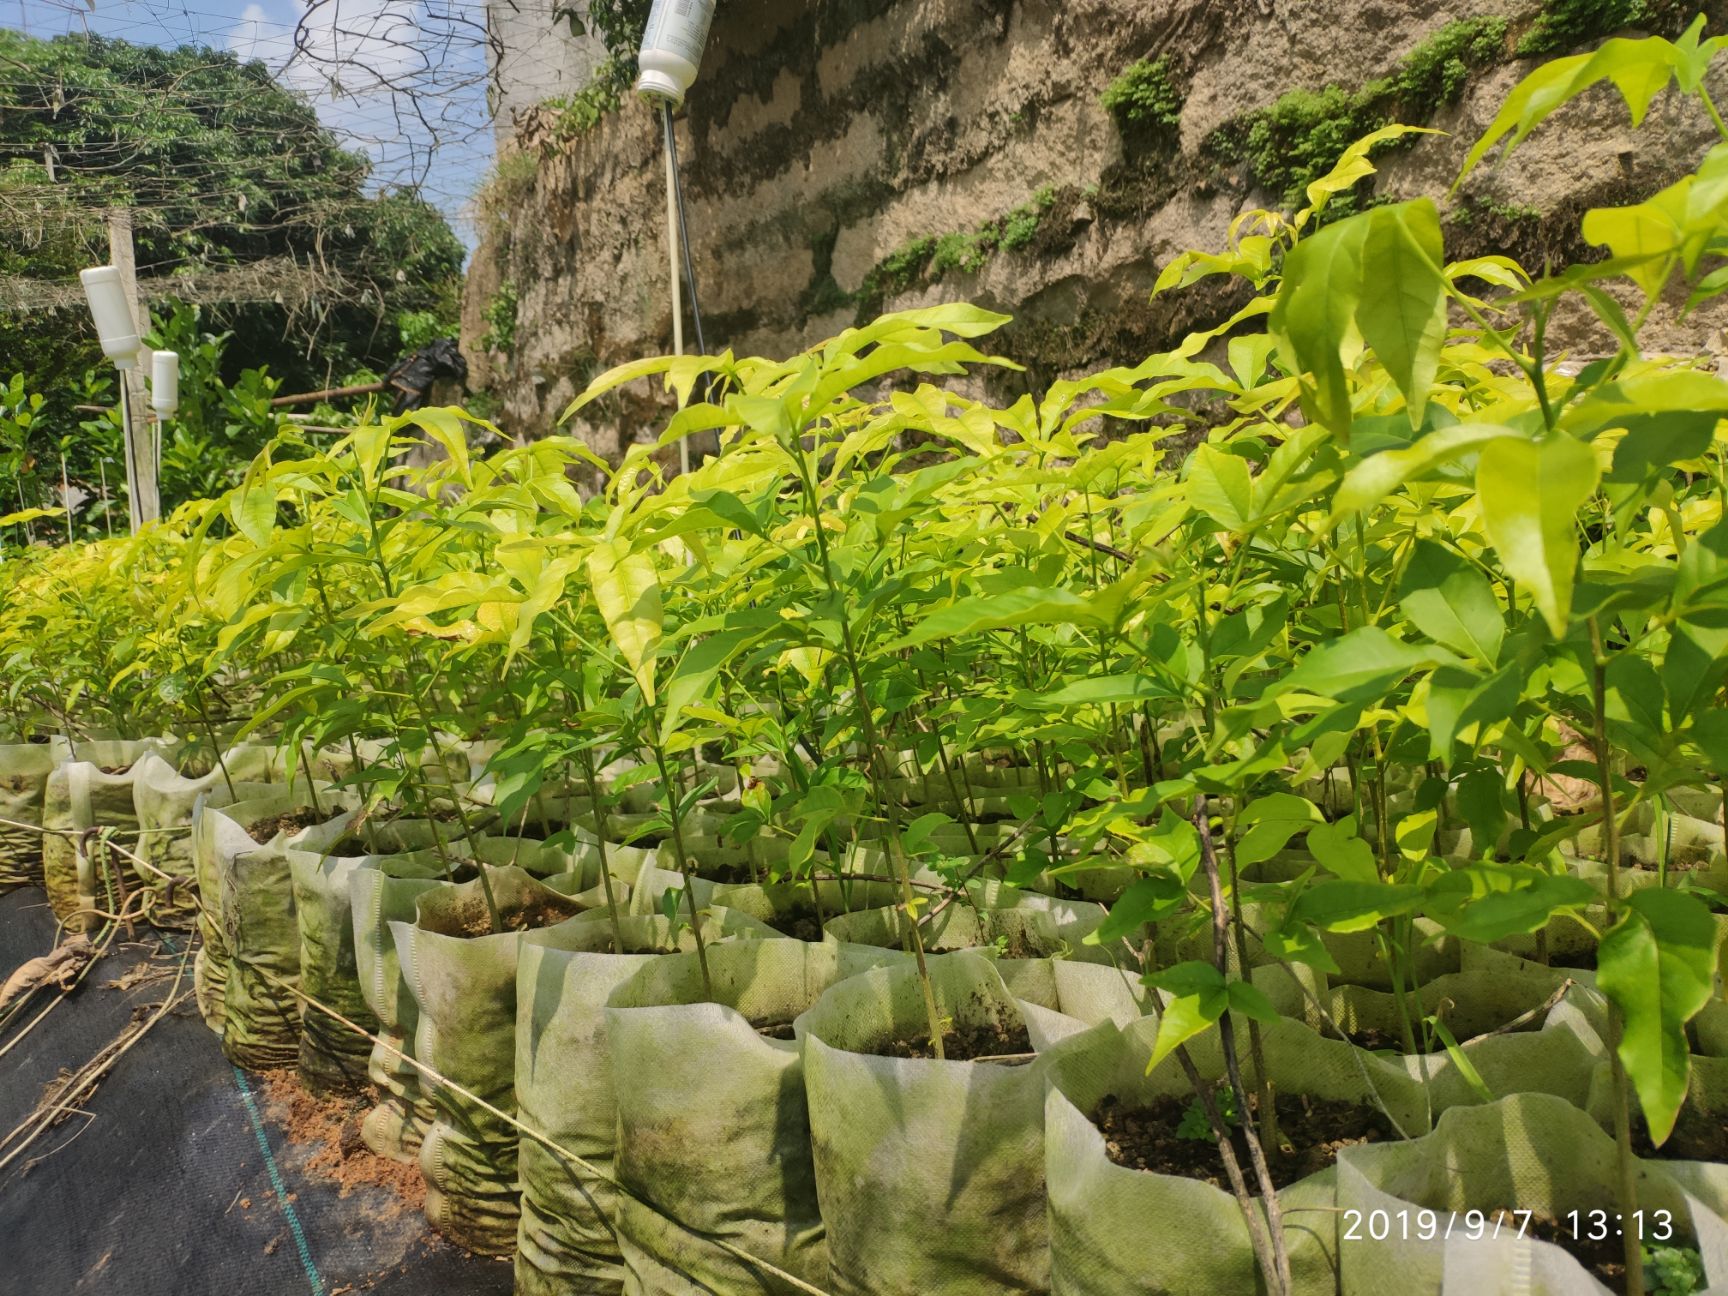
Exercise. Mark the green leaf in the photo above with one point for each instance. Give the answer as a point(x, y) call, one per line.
point(1461, 1060)
point(1364, 663)
point(1147, 900)
point(1100, 691)
point(1193, 977)
point(1403, 316)
point(1692, 669)
point(1314, 316)
point(1639, 69)
point(1251, 1001)
point(1029, 605)
point(1271, 822)
point(1657, 965)
point(1340, 906)
point(1452, 603)
point(1342, 852)
point(1219, 485)
point(1379, 475)
point(1531, 493)
point(1183, 1018)
point(627, 592)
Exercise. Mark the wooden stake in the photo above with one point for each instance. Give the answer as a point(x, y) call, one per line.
point(144, 499)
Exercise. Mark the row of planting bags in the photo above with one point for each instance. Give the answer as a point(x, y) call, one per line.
point(856, 1172)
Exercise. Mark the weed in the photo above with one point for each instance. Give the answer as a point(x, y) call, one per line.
point(500, 315)
point(1145, 94)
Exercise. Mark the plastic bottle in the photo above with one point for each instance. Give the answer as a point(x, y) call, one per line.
point(164, 382)
point(114, 323)
point(672, 48)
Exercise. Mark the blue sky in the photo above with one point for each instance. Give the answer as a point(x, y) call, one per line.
point(439, 131)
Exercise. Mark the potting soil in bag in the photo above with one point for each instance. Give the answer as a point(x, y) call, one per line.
point(211, 837)
point(162, 802)
point(930, 1174)
point(397, 1124)
point(463, 979)
point(1556, 1049)
point(1528, 1153)
point(713, 1128)
point(1117, 1227)
point(800, 909)
point(24, 771)
point(93, 791)
point(261, 1013)
point(564, 1089)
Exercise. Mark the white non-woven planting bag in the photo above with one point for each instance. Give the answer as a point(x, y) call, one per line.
point(465, 989)
point(1529, 1152)
point(24, 771)
point(1115, 1229)
point(713, 1128)
point(930, 1173)
point(567, 1241)
point(163, 800)
point(92, 791)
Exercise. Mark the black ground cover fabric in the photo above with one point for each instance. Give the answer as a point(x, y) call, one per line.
point(146, 1196)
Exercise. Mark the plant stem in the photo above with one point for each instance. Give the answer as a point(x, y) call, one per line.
point(1278, 1280)
point(1617, 1070)
point(672, 807)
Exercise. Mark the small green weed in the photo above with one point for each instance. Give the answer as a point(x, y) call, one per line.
point(1194, 1124)
point(1145, 94)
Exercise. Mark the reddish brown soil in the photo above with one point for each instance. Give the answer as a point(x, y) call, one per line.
point(330, 1129)
point(1311, 1131)
point(991, 1039)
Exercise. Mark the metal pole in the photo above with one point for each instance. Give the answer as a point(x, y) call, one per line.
point(672, 250)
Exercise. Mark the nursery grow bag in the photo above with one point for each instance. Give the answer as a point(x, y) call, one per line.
point(564, 1089)
point(1116, 1229)
point(1555, 1055)
point(930, 1174)
point(211, 838)
point(396, 1125)
point(261, 1014)
point(1019, 923)
point(1530, 1152)
point(91, 792)
point(163, 800)
point(713, 1129)
point(24, 771)
point(463, 979)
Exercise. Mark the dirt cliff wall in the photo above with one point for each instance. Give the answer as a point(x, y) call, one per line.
point(847, 156)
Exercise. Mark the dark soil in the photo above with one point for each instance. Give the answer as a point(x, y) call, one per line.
point(1697, 1136)
point(1375, 1041)
point(989, 1039)
point(473, 919)
point(776, 1031)
point(265, 830)
point(113, 769)
point(800, 924)
point(1311, 1131)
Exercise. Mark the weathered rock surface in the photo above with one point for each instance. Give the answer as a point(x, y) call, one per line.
point(825, 137)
